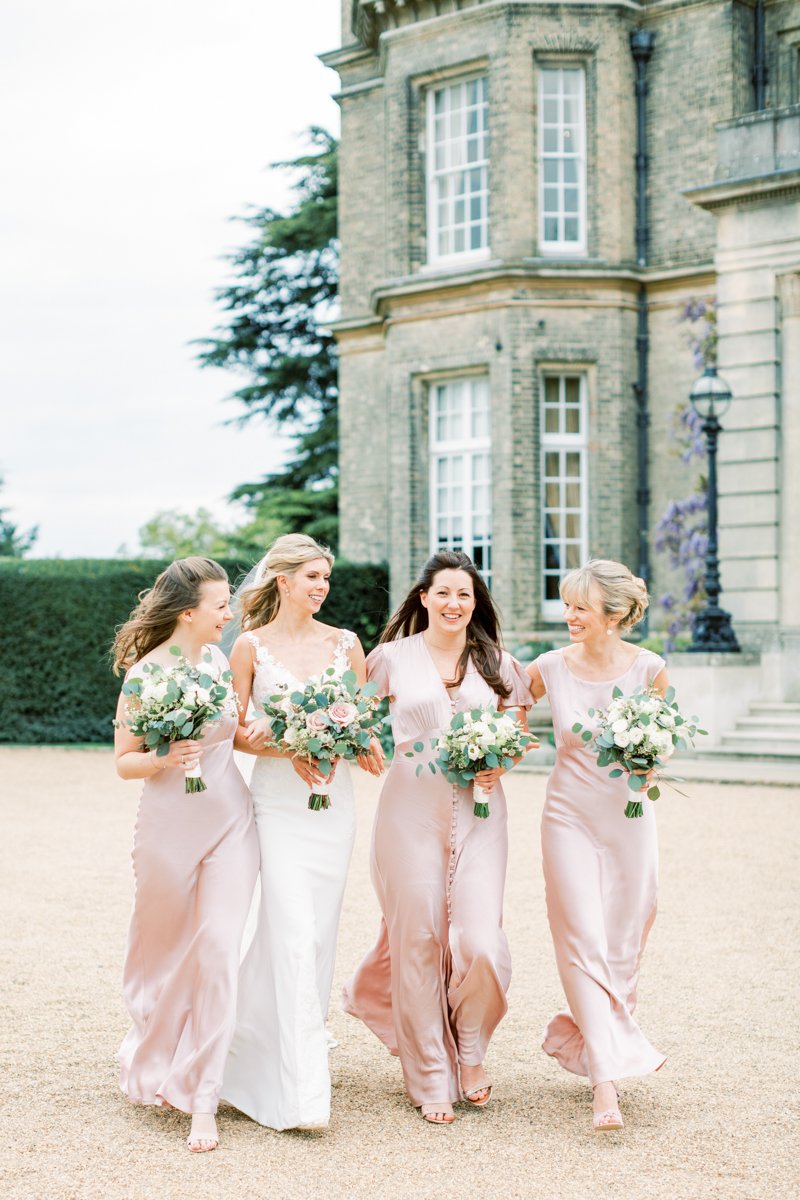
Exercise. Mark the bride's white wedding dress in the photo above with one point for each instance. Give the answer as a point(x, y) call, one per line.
point(277, 1070)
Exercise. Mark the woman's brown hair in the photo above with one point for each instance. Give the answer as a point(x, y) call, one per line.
point(156, 615)
point(483, 632)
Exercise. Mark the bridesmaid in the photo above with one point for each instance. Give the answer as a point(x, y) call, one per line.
point(433, 988)
point(600, 867)
point(195, 861)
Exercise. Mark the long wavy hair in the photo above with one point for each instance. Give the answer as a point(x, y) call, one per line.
point(484, 642)
point(156, 615)
point(260, 602)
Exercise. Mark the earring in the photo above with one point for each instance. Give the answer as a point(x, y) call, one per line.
point(609, 632)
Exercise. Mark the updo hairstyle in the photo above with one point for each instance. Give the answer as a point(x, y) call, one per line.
point(260, 601)
point(156, 615)
point(622, 594)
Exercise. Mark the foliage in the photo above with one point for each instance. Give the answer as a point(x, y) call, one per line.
point(173, 534)
point(682, 532)
point(14, 544)
point(59, 617)
point(284, 290)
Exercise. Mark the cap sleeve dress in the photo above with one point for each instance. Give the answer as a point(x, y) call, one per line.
point(195, 861)
point(433, 988)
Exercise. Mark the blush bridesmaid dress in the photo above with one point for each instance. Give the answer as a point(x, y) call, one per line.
point(195, 862)
point(433, 988)
point(601, 880)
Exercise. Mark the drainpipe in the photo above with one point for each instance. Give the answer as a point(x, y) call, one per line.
point(760, 58)
point(641, 49)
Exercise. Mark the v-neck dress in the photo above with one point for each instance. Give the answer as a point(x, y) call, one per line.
point(601, 881)
point(433, 988)
point(277, 1070)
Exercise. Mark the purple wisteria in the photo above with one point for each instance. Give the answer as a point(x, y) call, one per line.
point(682, 532)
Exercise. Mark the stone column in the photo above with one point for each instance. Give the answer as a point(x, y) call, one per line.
point(789, 296)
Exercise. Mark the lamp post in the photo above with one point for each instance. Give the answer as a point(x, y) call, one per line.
point(710, 397)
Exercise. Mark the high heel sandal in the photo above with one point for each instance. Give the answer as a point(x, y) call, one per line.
point(476, 1090)
point(611, 1119)
point(201, 1143)
point(429, 1113)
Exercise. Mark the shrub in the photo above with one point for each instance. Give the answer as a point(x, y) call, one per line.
point(58, 622)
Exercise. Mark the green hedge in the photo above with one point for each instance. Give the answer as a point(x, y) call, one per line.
point(57, 621)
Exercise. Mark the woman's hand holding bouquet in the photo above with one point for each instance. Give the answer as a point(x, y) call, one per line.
point(636, 735)
point(329, 719)
point(168, 708)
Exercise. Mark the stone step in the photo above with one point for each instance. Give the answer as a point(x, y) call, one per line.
point(752, 736)
point(765, 750)
point(779, 708)
point(770, 722)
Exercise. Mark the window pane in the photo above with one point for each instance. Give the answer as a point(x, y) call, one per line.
point(572, 465)
point(551, 464)
point(551, 420)
point(573, 525)
point(571, 229)
point(572, 389)
point(572, 495)
point(572, 420)
point(551, 591)
point(552, 557)
point(573, 556)
point(551, 229)
point(550, 390)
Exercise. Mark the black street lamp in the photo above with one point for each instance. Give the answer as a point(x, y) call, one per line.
point(712, 632)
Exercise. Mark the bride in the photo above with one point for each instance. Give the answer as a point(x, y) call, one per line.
point(277, 1070)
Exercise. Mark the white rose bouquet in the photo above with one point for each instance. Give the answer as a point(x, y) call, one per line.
point(636, 734)
point(330, 718)
point(167, 704)
point(477, 740)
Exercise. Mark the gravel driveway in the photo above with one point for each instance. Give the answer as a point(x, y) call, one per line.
point(718, 993)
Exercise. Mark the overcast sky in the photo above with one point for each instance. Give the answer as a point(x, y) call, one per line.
point(131, 130)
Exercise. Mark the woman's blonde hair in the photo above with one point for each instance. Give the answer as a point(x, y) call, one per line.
point(622, 593)
point(153, 620)
point(260, 601)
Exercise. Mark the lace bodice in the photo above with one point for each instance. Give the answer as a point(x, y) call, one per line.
point(270, 675)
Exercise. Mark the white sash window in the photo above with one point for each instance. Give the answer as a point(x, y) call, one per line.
point(458, 171)
point(563, 483)
point(461, 469)
point(562, 160)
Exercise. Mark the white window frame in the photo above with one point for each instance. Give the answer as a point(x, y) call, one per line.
point(468, 450)
point(435, 258)
point(560, 246)
point(563, 442)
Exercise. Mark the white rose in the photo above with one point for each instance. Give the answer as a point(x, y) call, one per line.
point(474, 752)
point(636, 736)
point(155, 691)
point(290, 737)
point(619, 727)
point(621, 740)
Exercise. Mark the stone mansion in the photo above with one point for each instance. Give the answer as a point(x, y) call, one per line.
point(531, 193)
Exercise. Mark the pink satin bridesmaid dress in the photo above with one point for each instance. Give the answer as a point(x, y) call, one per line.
point(433, 988)
point(601, 880)
point(195, 862)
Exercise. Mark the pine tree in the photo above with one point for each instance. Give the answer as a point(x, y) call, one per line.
point(274, 334)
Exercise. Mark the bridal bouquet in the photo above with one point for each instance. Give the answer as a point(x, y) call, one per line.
point(637, 734)
point(475, 741)
point(331, 718)
point(167, 704)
